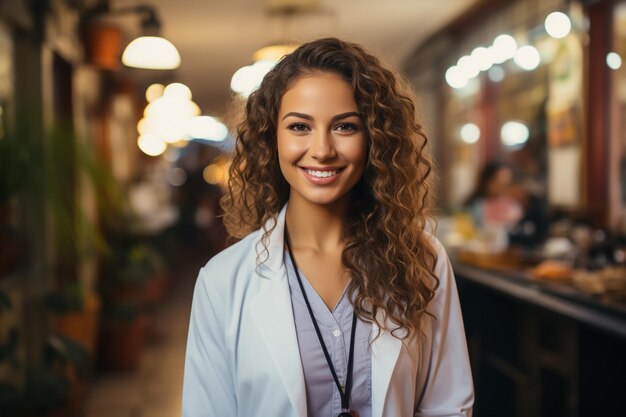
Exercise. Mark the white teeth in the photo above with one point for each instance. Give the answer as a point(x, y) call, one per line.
point(321, 174)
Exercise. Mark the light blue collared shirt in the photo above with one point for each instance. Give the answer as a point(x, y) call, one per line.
point(323, 399)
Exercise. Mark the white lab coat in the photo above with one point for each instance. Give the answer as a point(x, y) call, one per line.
point(242, 352)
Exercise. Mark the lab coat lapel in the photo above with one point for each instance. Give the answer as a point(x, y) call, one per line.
point(385, 352)
point(273, 316)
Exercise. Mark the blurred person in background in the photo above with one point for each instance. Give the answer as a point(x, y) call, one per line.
point(336, 302)
point(498, 199)
point(200, 226)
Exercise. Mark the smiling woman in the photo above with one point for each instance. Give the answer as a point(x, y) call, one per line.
point(337, 301)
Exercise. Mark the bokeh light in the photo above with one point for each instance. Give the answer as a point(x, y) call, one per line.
point(503, 48)
point(558, 25)
point(527, 57)
point(207, 128)
point(213, 174)
point(249, 78)
point(613, 60)
point(455, 78)
point(151, 144)
point(154, 91)
point(470, 133)
point(496, 73)
point(514, 134)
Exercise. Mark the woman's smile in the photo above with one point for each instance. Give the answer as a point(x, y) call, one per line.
point(322, 176)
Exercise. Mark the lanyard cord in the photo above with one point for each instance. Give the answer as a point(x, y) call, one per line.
point(344, 394)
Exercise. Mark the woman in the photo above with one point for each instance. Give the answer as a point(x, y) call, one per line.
point(501, 201)
point(491, 202)
point(336, 301)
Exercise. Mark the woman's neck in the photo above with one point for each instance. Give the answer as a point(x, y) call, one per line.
point(314, 226)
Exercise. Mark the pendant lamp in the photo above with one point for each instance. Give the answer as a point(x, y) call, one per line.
point(149, 51)
point(274, 52)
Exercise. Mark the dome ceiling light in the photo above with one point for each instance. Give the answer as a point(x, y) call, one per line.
point(148, 51)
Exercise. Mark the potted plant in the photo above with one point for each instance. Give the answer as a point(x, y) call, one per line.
point(55, 388)
point(75, 310)
point(131, 288)
point(75, 315)
point(135, 273)
point(124, 327)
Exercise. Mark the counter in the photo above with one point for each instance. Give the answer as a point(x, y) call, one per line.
point(554, 297)
point(539, 348)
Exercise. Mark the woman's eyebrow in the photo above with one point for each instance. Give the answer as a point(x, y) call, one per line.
point(309, 117)
point(346, 115)
point(300, 115)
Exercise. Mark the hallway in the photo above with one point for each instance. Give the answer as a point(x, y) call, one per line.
point(155, 389)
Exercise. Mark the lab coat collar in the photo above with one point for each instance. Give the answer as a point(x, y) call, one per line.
point(272, 260)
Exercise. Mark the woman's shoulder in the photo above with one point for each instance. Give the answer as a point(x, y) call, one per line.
point(436, 245)
point(235, 256)
point(225, 266)
point(443, 269)
point(445, 286)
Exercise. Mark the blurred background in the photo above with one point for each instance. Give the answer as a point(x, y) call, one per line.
point(117, 119)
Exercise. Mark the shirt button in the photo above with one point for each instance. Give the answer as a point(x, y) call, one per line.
point(336, 333)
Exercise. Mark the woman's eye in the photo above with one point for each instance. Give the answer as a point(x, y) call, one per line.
point(298, 127)
point(346, 127)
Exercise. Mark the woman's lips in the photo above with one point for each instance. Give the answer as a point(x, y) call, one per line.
point(322, 180)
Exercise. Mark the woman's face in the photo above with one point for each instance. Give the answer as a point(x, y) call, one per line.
point(321, 139)
point(500, 183)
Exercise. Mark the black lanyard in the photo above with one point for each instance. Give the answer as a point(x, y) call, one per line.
point(345, 395)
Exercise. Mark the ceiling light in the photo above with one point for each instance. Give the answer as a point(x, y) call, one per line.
point(151, 52)
point(514, 134)
point(468, 67)
point(151, 145)
point(482, 58)
point(178, 91)
point(154, 91)
point(273, 52)
point(168, 116)
point(455, 78)
point(503, 48)
point(613, 60)
point(249, 78)
point(207, 128)
point(558, 25)
point(470, 133)
point(527, 57)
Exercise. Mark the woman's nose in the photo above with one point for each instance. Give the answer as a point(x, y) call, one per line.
point(322, 146)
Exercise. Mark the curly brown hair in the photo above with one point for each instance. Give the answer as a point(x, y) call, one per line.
point(388, 254)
